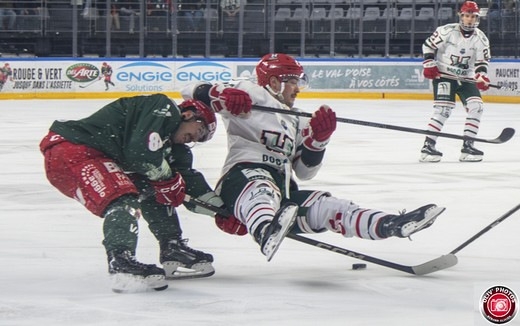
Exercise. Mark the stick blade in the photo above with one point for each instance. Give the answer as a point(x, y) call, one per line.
point(506, 134)
point(437, 264)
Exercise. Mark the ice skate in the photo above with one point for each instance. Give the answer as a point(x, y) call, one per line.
point(468, 153)
point(129, 275)
point(429, 153)
point(182, 262)
point(271, 235)
point(406, 224)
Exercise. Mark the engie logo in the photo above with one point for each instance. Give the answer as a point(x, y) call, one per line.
point(204, 71)
point(144, 72)
point(82, 72)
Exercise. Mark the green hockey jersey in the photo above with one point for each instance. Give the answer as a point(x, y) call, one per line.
point(133, 131)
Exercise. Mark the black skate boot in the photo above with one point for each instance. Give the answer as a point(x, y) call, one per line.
point(129, 275)
point(406, 224)
point(468, 153)
point(429, 153)
point(181, 262)
point(270, 235)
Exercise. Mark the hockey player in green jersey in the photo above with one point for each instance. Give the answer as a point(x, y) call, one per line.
point(128, 160)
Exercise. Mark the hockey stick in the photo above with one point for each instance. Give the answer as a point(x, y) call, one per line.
point(506, 134)
point(484, 230)
point(87, 85)
point(473, 81)
point(428, 267)
point(431, 266)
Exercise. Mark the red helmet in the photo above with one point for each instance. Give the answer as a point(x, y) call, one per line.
point(281, 66)
point(104, 64)
point(469, 7)
point(203, 113)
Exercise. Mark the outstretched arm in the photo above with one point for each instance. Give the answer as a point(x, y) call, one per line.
point(220, 97)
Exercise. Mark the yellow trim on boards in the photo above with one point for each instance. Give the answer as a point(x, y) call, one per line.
point(303, 95)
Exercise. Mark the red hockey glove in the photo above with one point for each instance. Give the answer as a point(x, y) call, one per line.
point(171, 191)
point(430, 69)
point(230, 224)
point(233, 100)
point(322, 125)
point(482, 82)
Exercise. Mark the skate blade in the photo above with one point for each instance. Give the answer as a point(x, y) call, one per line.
point(427, 158)
point(429, 217)
point(129, 283)
point(178, 271)
point(470, 158)
point(286, 221)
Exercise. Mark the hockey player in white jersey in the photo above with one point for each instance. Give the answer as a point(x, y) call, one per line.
point(266, 149)
point(453, 52)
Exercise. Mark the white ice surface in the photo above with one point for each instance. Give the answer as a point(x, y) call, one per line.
point(54, 272)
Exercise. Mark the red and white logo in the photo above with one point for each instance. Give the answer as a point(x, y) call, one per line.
point(499, 305)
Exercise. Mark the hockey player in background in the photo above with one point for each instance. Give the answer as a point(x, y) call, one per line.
point(128, 160)
point(265, 149)
point(106, 74)
point(459, 50)
point(6, 73)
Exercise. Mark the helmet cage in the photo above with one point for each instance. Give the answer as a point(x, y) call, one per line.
point(303, 80)
point(471, 8)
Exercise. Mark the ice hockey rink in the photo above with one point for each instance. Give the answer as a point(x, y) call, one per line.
point(54, 269)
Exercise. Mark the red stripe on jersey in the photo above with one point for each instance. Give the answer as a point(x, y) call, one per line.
point(311, 198)
point(256, 212)
point(358, 221)
point(434, 127)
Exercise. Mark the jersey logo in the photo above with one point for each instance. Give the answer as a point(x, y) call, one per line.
point(459, 65)
point(277, 142)
point(165, 112)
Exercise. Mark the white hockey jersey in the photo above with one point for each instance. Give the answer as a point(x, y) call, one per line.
point(267, 138)
point(458, 55)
